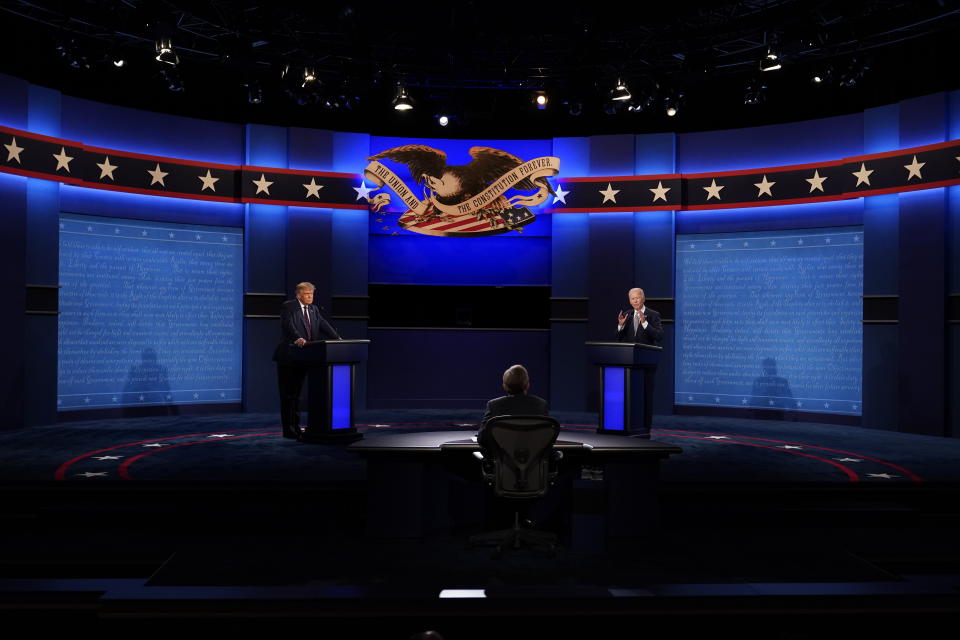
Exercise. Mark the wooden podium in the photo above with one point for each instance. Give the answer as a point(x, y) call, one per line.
point(331, 394)
point(626, 385)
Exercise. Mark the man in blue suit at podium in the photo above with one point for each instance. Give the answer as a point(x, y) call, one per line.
point(641, 326)
point(300, 322)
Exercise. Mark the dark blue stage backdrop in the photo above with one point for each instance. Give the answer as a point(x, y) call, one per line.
point(151, 313)
point(770, 320)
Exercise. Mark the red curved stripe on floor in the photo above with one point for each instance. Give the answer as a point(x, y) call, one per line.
point(913, 477)
point(61, 471)
point(851, 474)
point(125, 467)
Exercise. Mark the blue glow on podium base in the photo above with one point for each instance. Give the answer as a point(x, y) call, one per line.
point(341, 379)
point(613, 398)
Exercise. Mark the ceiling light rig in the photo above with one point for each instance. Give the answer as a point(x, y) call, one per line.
point(402, 102)
point(620, 92)
point(540, 100)
point(165, 53)
point(771, 61)
point(671, 104)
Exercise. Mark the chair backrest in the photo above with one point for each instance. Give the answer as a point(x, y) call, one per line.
point(522, 449)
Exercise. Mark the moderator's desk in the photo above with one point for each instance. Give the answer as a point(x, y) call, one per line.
point(429, 481)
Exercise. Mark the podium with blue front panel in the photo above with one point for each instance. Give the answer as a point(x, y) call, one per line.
point(331, 388)
point(626, 385)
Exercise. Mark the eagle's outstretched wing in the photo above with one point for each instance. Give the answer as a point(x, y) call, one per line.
point(421, 159)
point(489, 164)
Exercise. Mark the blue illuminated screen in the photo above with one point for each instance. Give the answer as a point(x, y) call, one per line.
point(770, 320)
point(400, 256)
point(150, 313)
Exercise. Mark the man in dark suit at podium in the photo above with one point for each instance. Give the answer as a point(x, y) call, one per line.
point(517, 402)
point(641, 326)
point(300, 322)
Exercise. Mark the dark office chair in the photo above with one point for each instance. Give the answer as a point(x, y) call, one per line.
point(523, 466)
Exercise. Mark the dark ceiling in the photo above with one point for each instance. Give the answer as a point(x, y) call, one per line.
point(482, 62)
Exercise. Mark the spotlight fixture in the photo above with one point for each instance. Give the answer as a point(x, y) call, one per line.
point(254, 92)
point(770, 62)
point(854, 73)
point(540, 99)
point(118, 62)
point(574, 107)
point(443, 121)
point(620, 92)
point(172, 78)
point(672, 105)
point(308, 78)
point(402, 102)
point(816, 79)
point(166, 54)
point(755, 93)
point(72, 55)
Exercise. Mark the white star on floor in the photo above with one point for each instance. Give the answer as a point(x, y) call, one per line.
point(220, 435)
point(263, 185)
point(157, 176)
point(717, 437)
point(560, 195)
point(816, 182)
point(609, 194)
point(313, 189)
point(13, 151)
point(886, 476)
point(107, 457)
point(363, 191)
point(789, 446)
point(63, 160)
point(209, 182)
point(764, 186)
point(914, 169)
point(713, 191)
point(155, 444)
point(106, 169)
point(92, 474)
point(848, 459)
point(863, 176)
point(660, 193)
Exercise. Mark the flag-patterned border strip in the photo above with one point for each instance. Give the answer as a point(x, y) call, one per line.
point(71, 162)
point(926, 167)
point(37, 156)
